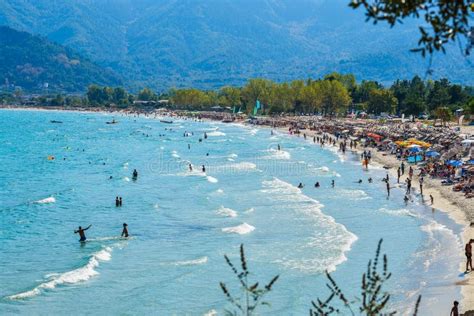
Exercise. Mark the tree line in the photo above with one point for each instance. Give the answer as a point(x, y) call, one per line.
point(334, 94)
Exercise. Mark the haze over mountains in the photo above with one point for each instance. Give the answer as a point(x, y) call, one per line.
point(211, 43)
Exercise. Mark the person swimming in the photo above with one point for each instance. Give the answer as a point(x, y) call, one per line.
point(125, 230)
point(316, 185)
point(81, 233)
point(360, 181)
point(370, 180)
point(300, 186)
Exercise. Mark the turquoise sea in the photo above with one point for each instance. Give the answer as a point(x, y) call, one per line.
point(182, 223)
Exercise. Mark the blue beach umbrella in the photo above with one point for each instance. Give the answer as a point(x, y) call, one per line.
point(415, 149)
point(454, 163)
point(432, 153)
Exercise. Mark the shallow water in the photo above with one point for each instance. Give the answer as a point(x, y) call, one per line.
point(183, 222)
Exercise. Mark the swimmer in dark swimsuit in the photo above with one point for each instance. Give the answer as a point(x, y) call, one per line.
point(125, 230)
point(81, 231)
point(316, 185)
point(300, 186)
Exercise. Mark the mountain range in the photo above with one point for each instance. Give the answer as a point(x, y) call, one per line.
point(37, 64)
point(211, 43)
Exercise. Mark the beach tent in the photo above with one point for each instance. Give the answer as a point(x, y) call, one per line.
point(454, 163)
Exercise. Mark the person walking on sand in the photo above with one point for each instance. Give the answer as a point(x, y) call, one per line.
point(432, 199)
point(454, 310)
point(402, 167)
point(468, 253)
point(81, 233)
point(125, 230)
point(398, 175)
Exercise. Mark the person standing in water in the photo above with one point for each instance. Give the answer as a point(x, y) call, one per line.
point(117, 202)
point(125, 230)
point(332, 183)
point(135, 174)
point(120, 201)
point(203, 168)
point(190, 167)
point(81, 233)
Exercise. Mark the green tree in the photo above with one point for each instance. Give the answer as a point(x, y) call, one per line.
point(120, 96)
point(444, 114)
point(335, 97)
point(381, 101)
point(146, 94)
point(230, 97)
point(438, 95)
point(444, 20)
point(58, 100)
point(257, 89)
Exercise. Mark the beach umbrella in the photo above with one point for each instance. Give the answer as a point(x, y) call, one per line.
point(415, 149)
point(470, 162)
point(432, 154)
point(414, 146)
point(454, 163)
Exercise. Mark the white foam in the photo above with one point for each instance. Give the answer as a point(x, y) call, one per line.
point(329, 237)
point(174, 154)
point(212, 179)
point(241, 229)
point(277, 154)
point(215, 134)
point(212, 312)
point(433, 246)
point(355, 195)
point(227, 212)
point(47, 200)
point(399, 212)
point(233, 155)
point(71, 277)
point(126, 179)
point(194, 262)
point(250, 210)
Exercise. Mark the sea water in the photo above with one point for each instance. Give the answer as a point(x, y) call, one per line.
point(183, 222)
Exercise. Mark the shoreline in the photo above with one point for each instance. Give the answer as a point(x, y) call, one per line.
point(444, 199)
point(442, 202)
